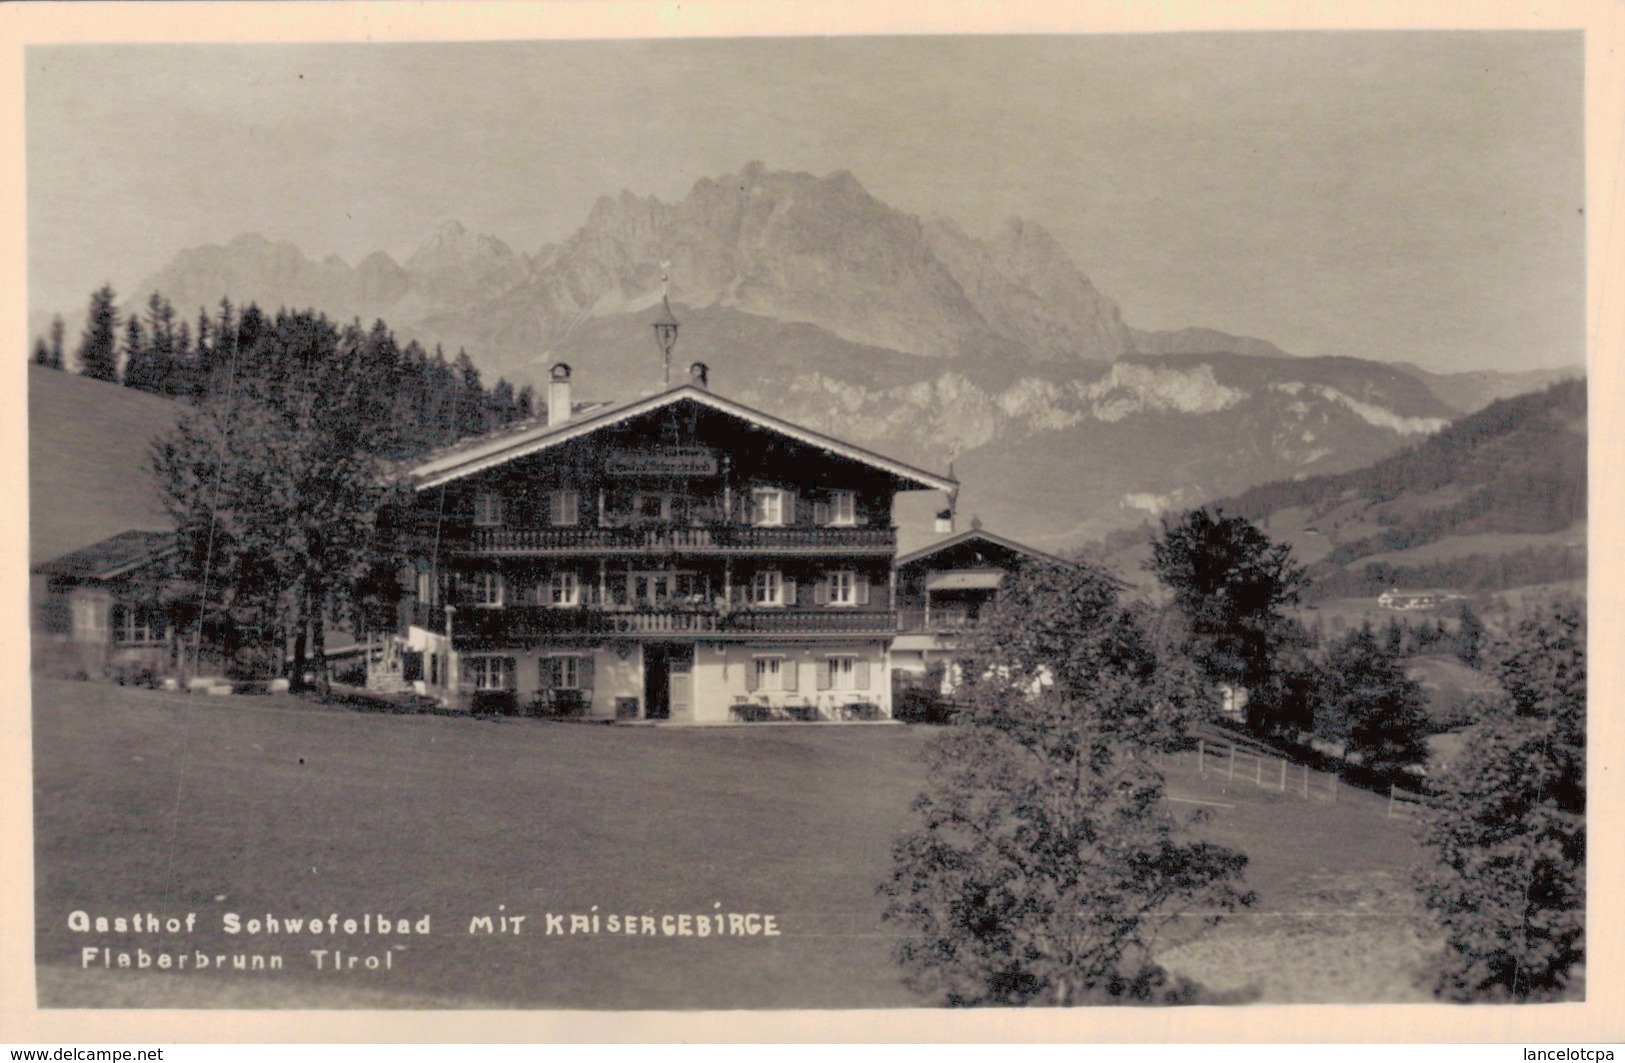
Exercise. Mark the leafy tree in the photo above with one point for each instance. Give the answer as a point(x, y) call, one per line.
point(1046, 862)
point(1507, 831)
point(273, 493)
point(98, 345)
point(1230, 585)
point(1369, 704)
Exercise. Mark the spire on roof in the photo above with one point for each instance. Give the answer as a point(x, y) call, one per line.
point(665, 325)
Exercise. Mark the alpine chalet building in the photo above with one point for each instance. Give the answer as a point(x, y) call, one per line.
point(679, 557)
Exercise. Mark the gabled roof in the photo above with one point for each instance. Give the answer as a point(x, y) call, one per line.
point(487, 452)
point(112, 557)
point(978, 534)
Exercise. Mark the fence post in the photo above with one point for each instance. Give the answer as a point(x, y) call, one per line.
point(1201, 757)
point(1283, 775)
point(1232, 774)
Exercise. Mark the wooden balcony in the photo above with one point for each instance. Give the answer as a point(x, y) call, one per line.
point(945, 618)
point(810, 621)
point(668, 539)
point(474, 627)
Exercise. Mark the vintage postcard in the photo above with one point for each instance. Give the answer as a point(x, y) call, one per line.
point(887, 520)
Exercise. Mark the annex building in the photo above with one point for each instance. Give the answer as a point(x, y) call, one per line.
point(677, 557)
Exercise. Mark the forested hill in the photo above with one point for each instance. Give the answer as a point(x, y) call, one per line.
point(1497, 499)
point(1518, 465)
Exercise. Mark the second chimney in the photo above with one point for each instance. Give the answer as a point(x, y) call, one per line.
point(558, 395)
point(699, 374)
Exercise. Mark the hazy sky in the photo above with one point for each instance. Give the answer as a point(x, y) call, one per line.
point(1410, 196)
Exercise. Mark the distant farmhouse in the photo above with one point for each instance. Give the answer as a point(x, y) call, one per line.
point(1405, 601)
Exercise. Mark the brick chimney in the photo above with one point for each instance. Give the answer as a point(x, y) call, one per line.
point(558, 395)
point(699, 374)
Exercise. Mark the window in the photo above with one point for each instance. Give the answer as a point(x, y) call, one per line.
point(564, 589)
point(89, 620)
point(652, 505)
point(842, 673)
point(487, 509)
point(428, 588)
point(566, 507)
point(489, 673)
point(561, 673)
point(487, 590)
point(843, 588)
point(769, 673)
point(767, 506)
point(767, 587)
point(136, 625)
point(843, 508)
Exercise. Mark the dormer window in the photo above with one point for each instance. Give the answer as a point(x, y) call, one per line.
point(768, 507)
point(487, 509)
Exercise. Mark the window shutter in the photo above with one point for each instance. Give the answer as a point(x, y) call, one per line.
point(788, 502)
point(860, 672)
point(821, 592)
point(825, 666)
point(821, 513)
point(862, 587)
point(789, 592)
point(787, 672)
point(750, 675)
point(584, 670)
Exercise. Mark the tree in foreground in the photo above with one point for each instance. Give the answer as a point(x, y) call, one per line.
point(273, 495)
point(1507, 831)
point(1230, 585)
point(1046, 863)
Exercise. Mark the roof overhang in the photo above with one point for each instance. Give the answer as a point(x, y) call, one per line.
point(984, 536)
point(972, 580)
point(437, 471)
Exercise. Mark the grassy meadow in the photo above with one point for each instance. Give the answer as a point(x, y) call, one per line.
point(169, 804)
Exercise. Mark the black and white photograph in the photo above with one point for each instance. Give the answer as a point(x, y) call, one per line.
point(808, 522)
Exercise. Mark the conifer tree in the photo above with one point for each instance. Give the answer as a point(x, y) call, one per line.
point(98, 345)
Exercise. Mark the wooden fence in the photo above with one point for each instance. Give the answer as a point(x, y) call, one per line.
point(1239, 761)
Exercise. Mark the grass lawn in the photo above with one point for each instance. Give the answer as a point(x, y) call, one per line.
point(170, 804)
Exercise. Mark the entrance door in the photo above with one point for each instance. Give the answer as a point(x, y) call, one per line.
point(668, 680)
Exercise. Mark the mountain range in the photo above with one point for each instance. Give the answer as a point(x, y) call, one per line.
point(813, 299)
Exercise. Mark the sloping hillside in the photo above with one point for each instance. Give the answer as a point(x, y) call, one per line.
point(1495, 500)
point(87, 461)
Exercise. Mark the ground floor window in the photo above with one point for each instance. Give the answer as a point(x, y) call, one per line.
point(844, 672)
point(769, 674)
point(137, 625)
point(562, 673)
point(489, 673)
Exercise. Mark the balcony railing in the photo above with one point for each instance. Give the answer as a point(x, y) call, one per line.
point(674, 539)
point(809, 621)
point(518, 624)
point(942, 618)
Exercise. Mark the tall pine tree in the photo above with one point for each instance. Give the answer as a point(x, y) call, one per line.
point(98, 345)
